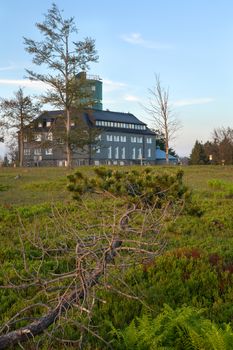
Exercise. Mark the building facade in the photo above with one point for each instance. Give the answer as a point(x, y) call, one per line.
point(124, 140)
point(121, 139)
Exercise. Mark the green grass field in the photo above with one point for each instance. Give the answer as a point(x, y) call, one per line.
point(195, 269)
point(40, 185)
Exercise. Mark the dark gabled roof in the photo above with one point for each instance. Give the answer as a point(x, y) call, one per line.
point(97, 115)
point(118, 117)
point(100, 115)
point(50, 114)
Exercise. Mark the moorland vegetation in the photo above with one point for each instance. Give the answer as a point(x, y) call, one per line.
point(142, 256)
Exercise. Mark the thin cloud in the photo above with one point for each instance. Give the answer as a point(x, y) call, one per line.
point(24, 83)
point(193, 101)
point(131, 98)
point(137, 39)
point(7, 68)
point(110, 85)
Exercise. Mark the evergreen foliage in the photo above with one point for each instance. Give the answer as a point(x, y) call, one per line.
point(145, 186)
point(67, 61)
point(160, 142)
point(198, 155)
point(217, 151)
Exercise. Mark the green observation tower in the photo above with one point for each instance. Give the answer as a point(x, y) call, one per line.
point(94, 86)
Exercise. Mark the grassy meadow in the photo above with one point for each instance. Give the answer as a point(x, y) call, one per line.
point(191, 281)
point(40, 185)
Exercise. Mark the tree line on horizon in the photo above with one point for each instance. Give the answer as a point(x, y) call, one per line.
point(219, 150)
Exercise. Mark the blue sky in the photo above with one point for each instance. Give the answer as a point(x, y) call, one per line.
point(189, 43)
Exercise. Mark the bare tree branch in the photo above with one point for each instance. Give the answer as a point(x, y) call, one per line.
point(160, 109)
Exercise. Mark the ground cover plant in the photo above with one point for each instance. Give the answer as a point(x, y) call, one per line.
point(187, 272)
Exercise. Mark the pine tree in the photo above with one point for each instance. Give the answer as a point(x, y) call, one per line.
point(65, 60)
point(198, 155)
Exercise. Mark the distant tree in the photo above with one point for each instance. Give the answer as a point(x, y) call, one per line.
point(160, 109)
point(223, 139)
point(65, 60)
point(211, 151)
point(5, 160)
point(17, 113)
point(198, 155)
point(2, 131)
point(12, 149)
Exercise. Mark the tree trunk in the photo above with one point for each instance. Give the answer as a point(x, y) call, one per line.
point(166, 147)
point(21, 148)
point(68, 149)
point(39, 326)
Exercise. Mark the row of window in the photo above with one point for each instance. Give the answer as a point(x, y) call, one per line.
point(120, 125)
point(133, 139)
point(38, 137)
point(115, 138)
point(38, 151)
point(118, 152)
point(48, 124)
point(136, 139)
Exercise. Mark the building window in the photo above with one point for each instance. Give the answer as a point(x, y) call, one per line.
point(123, 153)
point(120, 125)
point(116, 138)
point(140, 153)
point(49, 136)
point(110, 152)
point(98, 138)
point(60, 141)
point(37, 151)
point(96, 149)
point(149, 140)
point(26, 151)
point(48, 151)
point(37, 137)
point(123, 138)
point(93, 88)
point(133, 139)
point(139, 139)
point(109, 137)
point(48, 123)
point(134, 153)
point(25, 138)
point(40, 125)
point(149, 152)
point(117, 153)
